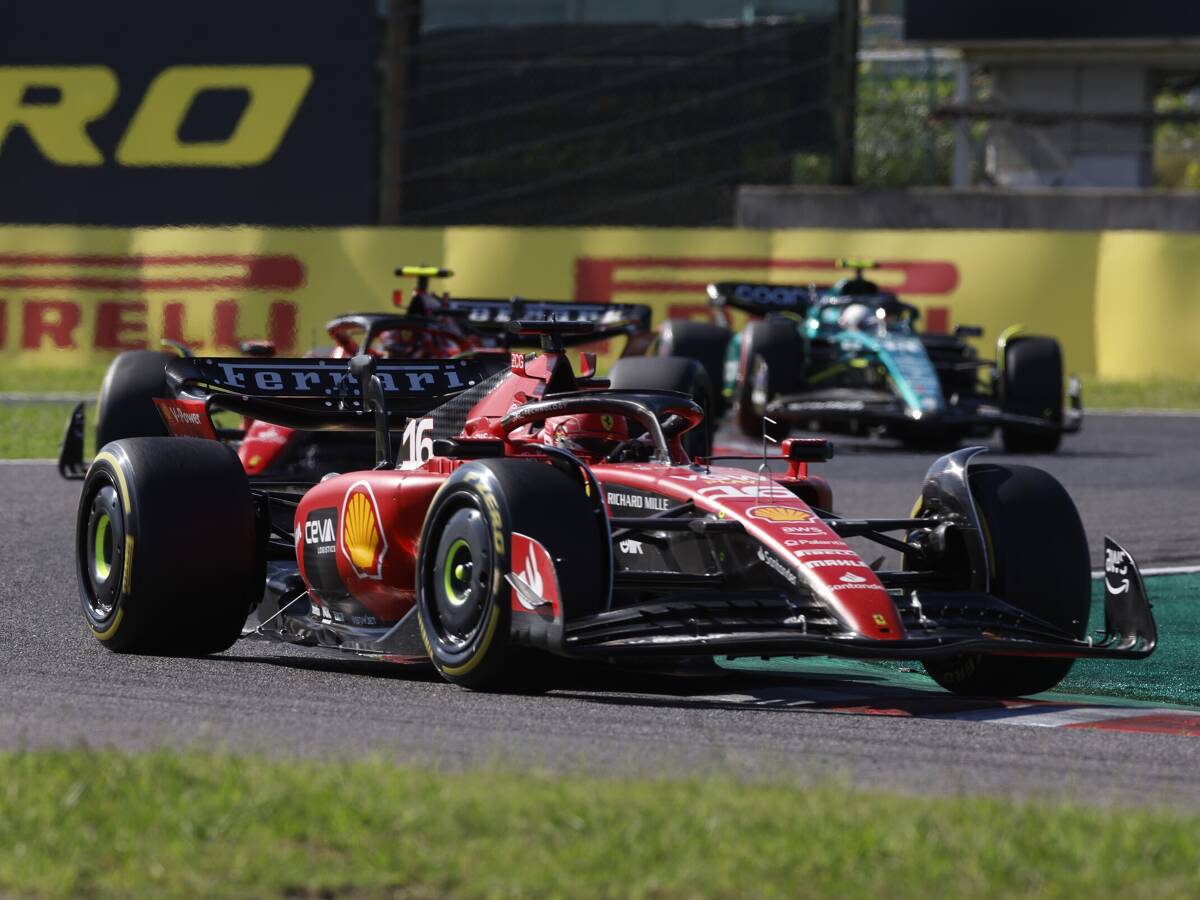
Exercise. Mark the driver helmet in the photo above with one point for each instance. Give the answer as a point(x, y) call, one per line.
point(591, 434)
point(858, 317)
point(400, 343)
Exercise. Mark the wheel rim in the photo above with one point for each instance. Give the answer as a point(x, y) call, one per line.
point(102, 548)
point(457, 568)
point(103, 552)
point(461, 578)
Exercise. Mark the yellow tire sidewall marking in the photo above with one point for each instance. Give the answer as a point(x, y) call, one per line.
point(127, 569)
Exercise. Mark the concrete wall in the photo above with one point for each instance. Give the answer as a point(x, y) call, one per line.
point(1059, 209)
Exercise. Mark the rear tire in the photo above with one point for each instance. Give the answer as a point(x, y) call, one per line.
point(167, 551)
point(464, 603)
point(672, 373)
point(125, 407)
point(1039, 552)
point(1033, 386)
point(703, 342)
point(772, 361)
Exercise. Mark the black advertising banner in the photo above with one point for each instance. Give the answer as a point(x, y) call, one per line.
point(144, 112)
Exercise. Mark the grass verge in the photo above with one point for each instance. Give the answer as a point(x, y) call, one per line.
point(109, 824)
point(86, 379)
point(1152, 393)
point(35, 430)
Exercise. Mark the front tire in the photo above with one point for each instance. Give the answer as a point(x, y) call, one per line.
point(464, 601)
point(1033, 386)
point(167, 547)
point(703, 342)
point(672, 373)
point(771, 363)
point(1040, 561)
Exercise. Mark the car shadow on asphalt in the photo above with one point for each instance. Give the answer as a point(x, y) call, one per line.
point(422, 671)
point(710, 689)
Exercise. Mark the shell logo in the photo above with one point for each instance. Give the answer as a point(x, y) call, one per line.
point(780, 514)
point(363, 543)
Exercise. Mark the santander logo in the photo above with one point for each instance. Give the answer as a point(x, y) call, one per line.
point(851, 578)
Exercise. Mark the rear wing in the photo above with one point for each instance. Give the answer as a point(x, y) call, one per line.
point(760, 299)
point(610, 319)
point(321, 394)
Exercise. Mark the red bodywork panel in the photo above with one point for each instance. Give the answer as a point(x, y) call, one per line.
point(185, 417)
point(357, 534)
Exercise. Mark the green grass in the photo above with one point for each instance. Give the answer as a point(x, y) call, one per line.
point(1152, 393)
point(14, 378)
point(35, 430)
point(78, 823)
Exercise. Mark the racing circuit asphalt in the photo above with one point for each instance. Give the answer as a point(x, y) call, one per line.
point(1138, 476)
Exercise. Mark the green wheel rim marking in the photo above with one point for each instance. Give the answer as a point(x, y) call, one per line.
point(452, 571)
point(100, 559)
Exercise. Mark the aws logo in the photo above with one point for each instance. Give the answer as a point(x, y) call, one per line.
point(55, 104)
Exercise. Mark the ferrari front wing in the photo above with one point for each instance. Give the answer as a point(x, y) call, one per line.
point(937, 623)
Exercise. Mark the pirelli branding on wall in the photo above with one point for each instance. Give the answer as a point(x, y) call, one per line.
point(72, 296)
point(144, 113)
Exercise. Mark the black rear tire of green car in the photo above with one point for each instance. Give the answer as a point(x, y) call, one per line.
point(167, 547)
point(464, 602)
point(704, 342)
point(771, 363)
point(1040, 563)
point(125, 407)
point(672, 373)
point(1033, 386)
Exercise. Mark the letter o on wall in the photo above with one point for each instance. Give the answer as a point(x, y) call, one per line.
point(276, 93)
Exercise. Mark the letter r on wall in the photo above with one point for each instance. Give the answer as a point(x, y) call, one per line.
point(59, 128)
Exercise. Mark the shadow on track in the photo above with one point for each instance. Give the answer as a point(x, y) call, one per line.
point(709, 687)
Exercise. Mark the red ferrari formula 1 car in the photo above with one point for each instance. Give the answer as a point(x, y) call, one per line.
point(537, 512)
point(433, 326)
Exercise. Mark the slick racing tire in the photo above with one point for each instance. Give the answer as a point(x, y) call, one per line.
point(167, 548)
point(704, 342)
point(672, 373)
point(125, 407)
point(465, 602)
point(772, 360)
point(1039, 554)
point(1033, 386)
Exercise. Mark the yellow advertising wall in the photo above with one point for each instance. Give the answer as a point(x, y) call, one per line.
point(1120, 302)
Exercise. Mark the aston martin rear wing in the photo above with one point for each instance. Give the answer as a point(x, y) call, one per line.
point(759, 299)
point(322, 394)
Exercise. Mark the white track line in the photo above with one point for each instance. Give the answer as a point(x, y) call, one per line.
point(1158, 570)
point(23, 397)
